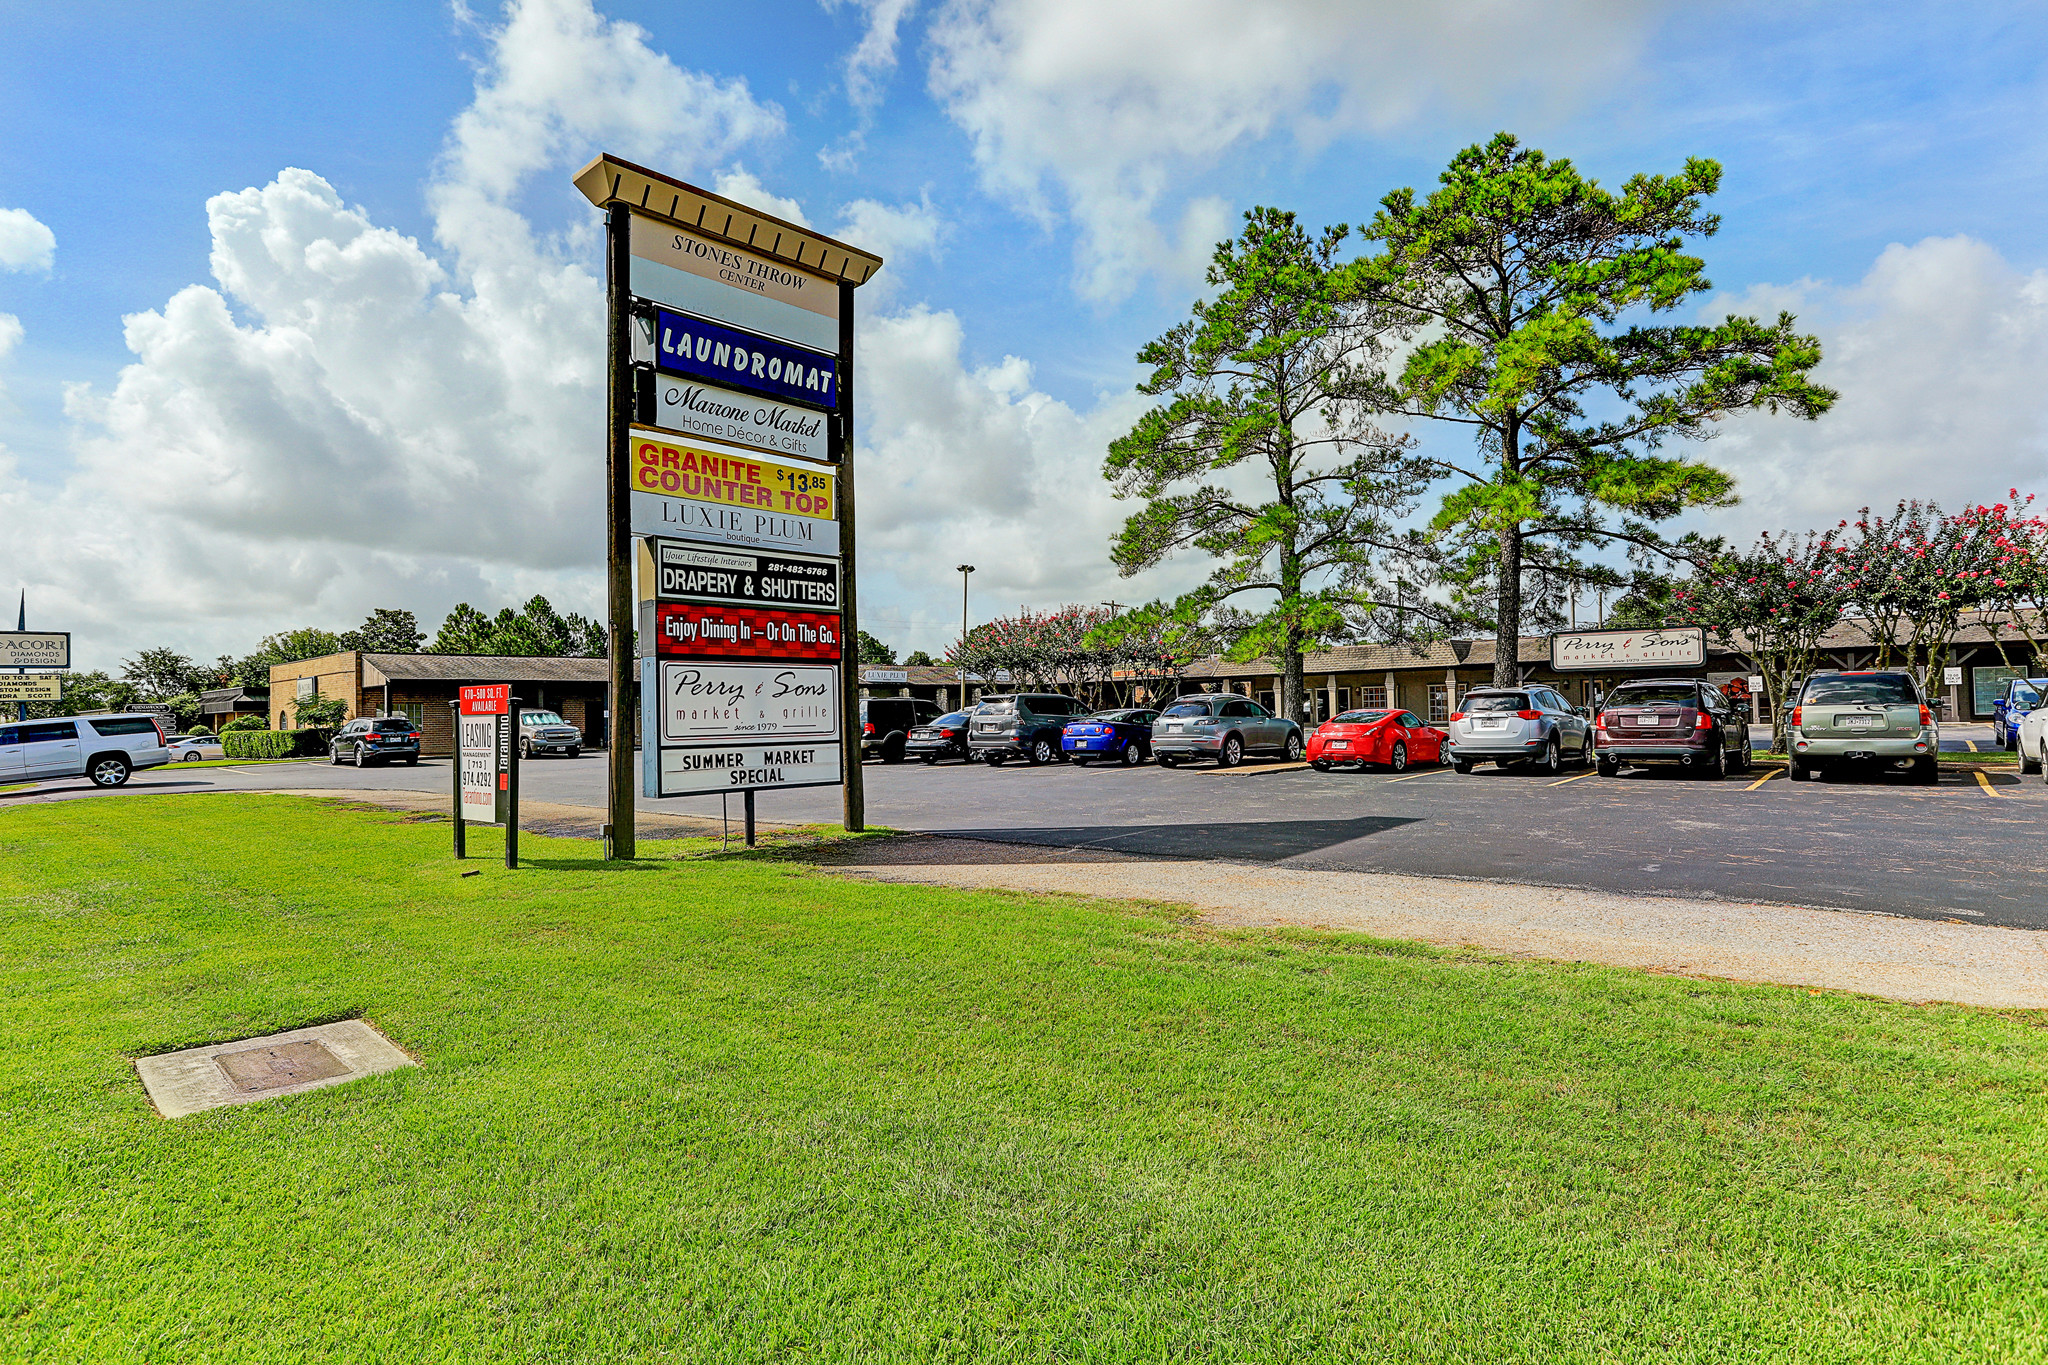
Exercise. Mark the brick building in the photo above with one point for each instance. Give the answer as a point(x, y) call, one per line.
point(421, 686)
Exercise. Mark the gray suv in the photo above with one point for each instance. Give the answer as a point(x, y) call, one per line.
point(1026, 725)
point(1510, 725)
point(1874, 719)
point(104, 748)
point(1222, 726)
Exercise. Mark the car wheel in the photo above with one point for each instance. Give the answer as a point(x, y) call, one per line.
point(192, 757)
point(2006, 740)
point(1586, 753)
point(1041, 752)
point(413, 761)
point(1133, 755)
point(109, 770)
point(1461, 766)
point(1294, 748)
point(2041, 760)
point(1319, 765)
point(1553, 758)
point(1799, 768)
point(2029, 765)
point(1397, 758)
point(1716, 768)
point(575, 752)
point(334, 754)
point(892, 753)
point(1232, 752)
point(525, 752)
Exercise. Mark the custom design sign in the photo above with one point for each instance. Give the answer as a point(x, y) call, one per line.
point(699, 349)
point(712, 702)
point(35, 649)
point(716, 414)
point(706, 770)
point(699, 275)
point(694, 490)
point(675, 571)
point(699, 630)
point(1683, 647)
point(32, 687)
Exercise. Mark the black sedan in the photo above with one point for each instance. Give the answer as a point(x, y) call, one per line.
point(943, 737)
point(1125, 736)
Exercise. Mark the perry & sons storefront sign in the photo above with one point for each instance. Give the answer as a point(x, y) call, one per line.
point(1584, 650)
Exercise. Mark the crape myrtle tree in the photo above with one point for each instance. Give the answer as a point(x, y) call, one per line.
point(1256, 456)
point(1912, 575)
point(2014, 583)
point(1513, 278)
point(1772, 602)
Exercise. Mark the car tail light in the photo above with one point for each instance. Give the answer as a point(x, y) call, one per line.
point(1926, 716)
point(1530, 715)
point(1600, 721)
point(1705, 721)
point(1457, 715)
point(948, 734)
point(867, 727)
point(161, 742)
point(1795, 714)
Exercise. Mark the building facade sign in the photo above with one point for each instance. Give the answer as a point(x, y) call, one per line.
point(697, 630)
point(696, 348)
point(677, 571)
point(1593, 650)
point(702, 276)
point(716, 414)
point(695, 703)
point(31, 687)
point(35, 649)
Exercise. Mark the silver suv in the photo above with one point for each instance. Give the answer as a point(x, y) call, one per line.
point(104, 748)
point(1509, 725)
point(544, 732)
point(1870, 719)
point(1222, 726)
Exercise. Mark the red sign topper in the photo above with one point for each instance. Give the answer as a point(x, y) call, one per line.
point(490, 699)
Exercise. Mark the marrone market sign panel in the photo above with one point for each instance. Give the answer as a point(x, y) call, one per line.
point(716, 414)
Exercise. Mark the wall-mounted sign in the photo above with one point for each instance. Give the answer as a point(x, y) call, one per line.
point(694, 490)
point(708, 769)
point(1952, 676)
point(698, 630)
point(35, 649)
point(1583, 650)
point(699, 275)
point(716, 414)
point(704, 702)
point(711, 351)
point(884, 675)
point(677, 571)
point(31, 687)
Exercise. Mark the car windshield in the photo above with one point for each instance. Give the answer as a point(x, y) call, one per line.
point(2028, 693)
point(1886, 689)
point(1669, 694)
point(1000, 706)
point(535, 718)
point(950, 718)
point(1187, 708)
point(1360, 717)
point(394, 727)
point(1499, 701)
point(1117, 715)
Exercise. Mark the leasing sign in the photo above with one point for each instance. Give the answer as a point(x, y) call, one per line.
point(1587, 650)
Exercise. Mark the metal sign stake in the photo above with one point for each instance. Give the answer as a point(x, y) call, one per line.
point(455, 781)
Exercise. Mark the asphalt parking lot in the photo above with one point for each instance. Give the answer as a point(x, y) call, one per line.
point(1964, 849)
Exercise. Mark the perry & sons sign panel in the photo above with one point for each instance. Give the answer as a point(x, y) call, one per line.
point(716, 414)
point(707, 630)
point(1683, 647)
point(725, 727)
point(676, 571)
point(698, 275)
point(697, 348)
point(697, 490)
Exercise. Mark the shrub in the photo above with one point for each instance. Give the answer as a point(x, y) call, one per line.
point(252, 743)
point(245, 723)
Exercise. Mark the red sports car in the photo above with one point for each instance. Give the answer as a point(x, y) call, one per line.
point(1393, 738)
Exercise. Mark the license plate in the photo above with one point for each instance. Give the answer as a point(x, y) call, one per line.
point(1858, 722)
point(1492, 724)
point(1173, 729)
point(1340, 744)
point(985, 725)
point(1660, 720)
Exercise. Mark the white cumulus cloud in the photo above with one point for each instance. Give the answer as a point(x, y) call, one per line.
point(25, 242)
point(1104, 110)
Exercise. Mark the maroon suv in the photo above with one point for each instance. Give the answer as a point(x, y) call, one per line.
point(1681, 720)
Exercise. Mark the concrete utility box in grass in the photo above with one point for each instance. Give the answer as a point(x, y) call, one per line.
point(252, 1069)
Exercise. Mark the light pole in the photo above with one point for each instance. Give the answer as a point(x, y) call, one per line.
point(965, 569)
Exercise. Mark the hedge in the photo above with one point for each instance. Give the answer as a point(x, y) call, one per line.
point(274, 743)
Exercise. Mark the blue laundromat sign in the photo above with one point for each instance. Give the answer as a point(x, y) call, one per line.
point(740, 360)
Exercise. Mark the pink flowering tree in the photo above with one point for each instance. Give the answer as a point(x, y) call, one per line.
point(1772, 603)
point(1911, 576)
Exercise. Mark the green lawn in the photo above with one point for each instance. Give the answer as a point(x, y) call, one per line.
point(713, 1109)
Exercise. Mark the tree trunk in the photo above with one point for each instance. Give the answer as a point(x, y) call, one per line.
point(1507, 630)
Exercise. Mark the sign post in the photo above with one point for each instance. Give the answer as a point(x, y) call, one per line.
point(730, 446)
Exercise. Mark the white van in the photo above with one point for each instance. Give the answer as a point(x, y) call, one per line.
point(104, 748)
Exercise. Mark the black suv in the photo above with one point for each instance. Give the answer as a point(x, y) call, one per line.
point(886, 723)
point(387, 739)
point(1024, 725)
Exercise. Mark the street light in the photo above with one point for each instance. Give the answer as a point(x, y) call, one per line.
point(965, 569)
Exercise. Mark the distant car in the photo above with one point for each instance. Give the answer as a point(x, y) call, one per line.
point(2011, 705)
point(1513, 725)
point(193, 748)
point(378, 740)
point(940, 737)
point(886, 723)
point(1876, 719)
point(1392, 739)
point(1686, 721)
point(2033, 740)
point(106, 749)
point(1222, 726)
point(544, 732)
point(1124, 735)
point(1024, 725)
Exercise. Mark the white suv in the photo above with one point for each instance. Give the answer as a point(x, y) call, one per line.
point(104, 748)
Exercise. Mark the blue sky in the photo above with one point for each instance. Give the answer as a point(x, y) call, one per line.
point(298, 430)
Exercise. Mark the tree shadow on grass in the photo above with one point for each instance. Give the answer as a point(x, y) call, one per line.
point(594, 864)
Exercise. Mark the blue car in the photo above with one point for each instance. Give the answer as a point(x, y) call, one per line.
point(1125, 736)
point(2010, 707)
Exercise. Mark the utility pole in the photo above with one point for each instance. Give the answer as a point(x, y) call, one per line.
point(965, 569)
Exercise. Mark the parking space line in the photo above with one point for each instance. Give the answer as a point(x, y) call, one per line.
point(1254, 772)
point(1575, 777)
point(1775, 772)
point(1985, 782)
point(1973, 748)
point(1433, 772)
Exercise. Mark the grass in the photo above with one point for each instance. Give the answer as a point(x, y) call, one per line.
point(711, 1109)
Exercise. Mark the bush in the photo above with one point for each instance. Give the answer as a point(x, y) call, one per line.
point(245, 723)
point(253, 743)
point(329, 712)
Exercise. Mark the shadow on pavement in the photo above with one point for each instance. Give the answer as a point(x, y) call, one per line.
point(1265, 841)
